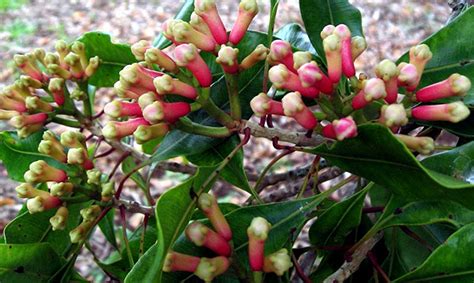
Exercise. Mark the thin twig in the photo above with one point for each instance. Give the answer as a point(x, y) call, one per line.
point(299, 270)
point(134, 207)
point(375, 263)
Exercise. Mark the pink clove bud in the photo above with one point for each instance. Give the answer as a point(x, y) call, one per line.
point(169, 112)
point(278, 262)
point(282, 78)
point(139, 49)
point(8, 114)
point(300, 58)
point(26, 190)
point(41, 172)
point(167, 85)
point(118, 130)
point(311, 75)
point(56, 87)
point(341, 129)
point(18, 91)
point(52, 149)
point(210, 268)
point(393, 115)
point(344, 33)
point(123, 90)
point(327, 31)
point(423, 145)
point(419, 56)
point(451, 112)
point(227, 58)
point(259, 54)
point(40, 204)
point(388, 72)
point(187, 56)
point(21, 121)
point(27, 81)
point(11, 104)
point(203, 236)
point(160, 58)
point(359, 45)
point(28, 66)
point(207, 10)
point(117, 109)
point(167, 30)
point(184, 33)
point(293, 106)
point(248, 9)
point(180, 262)
point(263, 105)
point(258, 234)
point(198, 24)
point(208, 205)
point(147, 133)
point(332, 49)
point(35, 104)
point(58, 71)
point(75, 67)
point(282, 53)
point(408, 77)
point(63, 50)
point(147, 99)
point(138, 79)
point(455, 85)
point(79, 156)
point(373, 89)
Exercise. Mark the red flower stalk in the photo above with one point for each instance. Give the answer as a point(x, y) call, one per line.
point(21, 121)
point(263, 105)
point(227, 58)
point(208, 205)
point(248, 9)
point(35, 104)
point(423, 145)
point(7, 114)
point(198, 24)
point(452, 112)
point(169, 112)
point(259, 54)
point(117, 109)
point(139, 48)
point(327, 31)
point(180, 262)
point(293, 106)
point(41, 172)
point(341, 129)
point(343, 32)
point(373, 89)
point(419, 56)
point(11, 104)
point(278, 262)
point(207, 10)
point(56, 87)
point(203, 236)
point(258, 234)
point(40, 204)
point(80, 157)
point(282, 78)
point(455, 85)
point(184, 33)
point(359, 45)
point(332, 49)
point(52, 147)
point(210, 268)
point(118, 130)
point(138, 79)
point(311, 75)
point(187, 55)
point(388, 72)
point(408, 77)
point(300, 58)
point(27, 64)
point(167, 85)
point(393, 115)
point(160, 58)
point(147, 133)
point(282, 53)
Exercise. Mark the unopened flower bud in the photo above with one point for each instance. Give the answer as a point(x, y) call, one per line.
point(92, 67)
point(63, 50)
point(248, 9)
point(198, 24)
point(208, 205)
point(327, 31)
point(373, 89)
point(180, 262)
point(80, 233)
point(343, 32)
point(42, 203)
point(227, 58)
point(139, 49)
point(409, 76)
point(394, 115)
point(455, 85)
point(119, 130)
point(90, 213)
point(210, 268)
point(138, 79)
point(202, 236)
point(75, 66)
point(23, 120)
point(184, 33)
point(108, 190)
point(359, 45)
point(8, 114)
point(59, 71)
point(388, 72)
point(117, 109)
point(78, 95)
point(451, 112)
point(51, 59)
point(166, 111)
point(207, 10)
point(28, 67)
point(167, 85)
point(27, 81)
point(35, 104)
point(61, 189)
point(423, 145)
point(123, 91)
point(79, 156)
point(59, 220)
point(28, 130)
point(300, 58)
point(40, 54)
point(11, 104)
point(56, 87)
point(93, 176)
point(258, 234)
point(282, 53)
point(419, 56)
point(147, 99)
point(41, 172)
point(278, 262)
point(18, 91)
point(332, 49)
point(80, 50)
point(147, 133)
point(160, 58)
point(73, 139)
point(293, 106)
point(263, 105)
point(26, 190)
point(52, 149)
point(341, 129)
point(311, 75)
point(259, 54)
point(186, 55)
point(282, 78)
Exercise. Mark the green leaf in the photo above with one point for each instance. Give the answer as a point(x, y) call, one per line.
point(234, 172)
point(34, 228)
point(106, 225)
point(295, 34)
point(17, 154)
point(174, 209)
point(453, 261)
point(127, 166)
point(332, 227)
point(183, 14)
point(317, 14)
point(28, 262)
point(113, 57)
point(377, 155)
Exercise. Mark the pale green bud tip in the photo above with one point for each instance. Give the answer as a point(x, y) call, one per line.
point(147, 99)
point(90, 213)
point(56, 84)
point(280, 262)
point(61, 46)
point(139, 49)
point(76, 156)
point(61, 189)
point(72, 139)
point(71, 59)
point(260, 104)
point(108, 189)
point(300, 58)
point(78, 47)
point(203, 6)
point(386, 70)
point(59, 220)
point(113, 109)
point(130, 73)
point(292, 104)
point(332, 43)
point(196, 232)
point(163, 84)
point(209, 268)
point(327, 31)
point(206, 201)
point(35, 205)
point(278, 75)
point(460, 84)
point(394, 115)
point(227, 55)
point(421, 52)
point(93, 176)
point(110, 131)
point(459, 111)
point(249, 6)
point(259, 228)
point(374, 89)
point(25, 190)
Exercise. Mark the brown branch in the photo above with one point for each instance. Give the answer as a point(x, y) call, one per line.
point(349, 267)
point(134, 207)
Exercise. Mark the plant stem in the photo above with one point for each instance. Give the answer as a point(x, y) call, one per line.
point(257, 276)
point(66, 122)
point(87, 104)
point(125, 238)
point(313, 170)
point(213, 110)
point(186, 125)
point(232, 81)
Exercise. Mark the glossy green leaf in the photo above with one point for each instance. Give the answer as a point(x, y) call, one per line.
point(113, 57)
point(35, 228)
point(234, 172)
point(377, 155)
point(317, 14)
point(183, 14)
point(127, 166)
point(107, 225)
point(174, 209)
point(453, 261)
point(332, 226)
point(295, 34)
point(28, 262)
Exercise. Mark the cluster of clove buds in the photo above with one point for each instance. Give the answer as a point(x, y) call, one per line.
point(304, 80)
point(52, 182)
point(25, 104)
point(218, 240)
